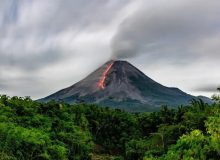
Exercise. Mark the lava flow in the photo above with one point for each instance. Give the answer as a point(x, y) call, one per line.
point(101, 83)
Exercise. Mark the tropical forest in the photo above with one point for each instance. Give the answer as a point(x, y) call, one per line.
point(31, 130)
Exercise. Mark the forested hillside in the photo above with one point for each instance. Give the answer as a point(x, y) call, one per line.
point(31, 130)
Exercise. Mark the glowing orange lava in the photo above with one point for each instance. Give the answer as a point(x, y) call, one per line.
point(101, 83)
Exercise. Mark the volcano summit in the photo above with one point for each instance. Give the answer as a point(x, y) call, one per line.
point(118, 84)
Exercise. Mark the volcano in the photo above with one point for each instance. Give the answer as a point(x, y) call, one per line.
point(118, 84)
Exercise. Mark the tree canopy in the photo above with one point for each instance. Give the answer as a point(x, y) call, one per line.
point(54, 130)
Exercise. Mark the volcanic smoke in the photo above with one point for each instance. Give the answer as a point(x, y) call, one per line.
point(101, 83)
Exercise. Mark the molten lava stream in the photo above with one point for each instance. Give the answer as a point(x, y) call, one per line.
point(101, 83)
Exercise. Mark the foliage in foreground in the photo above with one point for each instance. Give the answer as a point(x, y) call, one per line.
point(44, 131)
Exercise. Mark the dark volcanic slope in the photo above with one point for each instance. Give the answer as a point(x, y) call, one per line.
point(125, 87)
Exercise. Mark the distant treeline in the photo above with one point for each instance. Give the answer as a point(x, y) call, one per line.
point(31, 130)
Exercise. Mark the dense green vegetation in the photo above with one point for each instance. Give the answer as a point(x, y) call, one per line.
point(31, 130)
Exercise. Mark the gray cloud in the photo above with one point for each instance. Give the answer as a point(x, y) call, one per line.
point(43, 43)
point(31, 62)
point(171, 31)
point(3, 86)
point(14, 85)
point(208, 88)
point(31, 32)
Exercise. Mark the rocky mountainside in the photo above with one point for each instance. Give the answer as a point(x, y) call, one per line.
point(118, 84)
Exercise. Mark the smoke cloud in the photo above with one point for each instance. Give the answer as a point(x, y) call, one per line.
point(169, 30)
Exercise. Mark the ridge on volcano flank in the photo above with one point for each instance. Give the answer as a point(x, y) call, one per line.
point(118, 84)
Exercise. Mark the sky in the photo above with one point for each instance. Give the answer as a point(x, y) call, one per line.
point(47, 45)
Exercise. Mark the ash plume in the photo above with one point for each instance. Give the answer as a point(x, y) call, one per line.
point(168, 31)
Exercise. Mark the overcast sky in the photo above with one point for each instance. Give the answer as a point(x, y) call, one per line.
point(46, 45)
